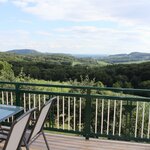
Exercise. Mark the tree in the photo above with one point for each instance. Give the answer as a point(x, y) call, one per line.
point(145, 84)
point(22, 77)
point(6, 72)
point(117, 84)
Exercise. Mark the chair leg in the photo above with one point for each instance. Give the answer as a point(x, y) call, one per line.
point(26, 145)
point(45, 140)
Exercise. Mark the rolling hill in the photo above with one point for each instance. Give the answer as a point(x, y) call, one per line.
point(133, 57)
point(23, 51)
point(126, 58)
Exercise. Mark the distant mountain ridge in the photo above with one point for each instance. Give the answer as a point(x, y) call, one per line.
point(24, 51)
point(117, 58)
point(134, 56)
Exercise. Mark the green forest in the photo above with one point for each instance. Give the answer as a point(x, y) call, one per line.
point(66, 68)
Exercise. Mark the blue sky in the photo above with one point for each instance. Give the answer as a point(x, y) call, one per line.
point(75, 26)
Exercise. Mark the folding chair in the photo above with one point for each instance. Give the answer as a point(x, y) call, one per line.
point(17, 131)
point(32, 135)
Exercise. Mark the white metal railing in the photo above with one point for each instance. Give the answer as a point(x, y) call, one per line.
point(109, 116)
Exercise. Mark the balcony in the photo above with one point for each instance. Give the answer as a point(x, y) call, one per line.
point(105, 116)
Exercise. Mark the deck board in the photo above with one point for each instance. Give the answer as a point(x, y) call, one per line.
point(63, 142)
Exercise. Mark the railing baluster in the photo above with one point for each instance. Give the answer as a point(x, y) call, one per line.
point(29, 96)
point(136, 121)
point(143, 119)
point(2, 97)
point(80, 115)
point(24, 102)
point(11, 98)
point(63, 113)
point(114, 117)
point(58, 112)
point(102, 116)
point(74, 121)
point(108, 113)
point(68, 113)
point(7, 102)
point(96, 112)
point(148, 124)
point(120, 118)
point(34, 105)
point(39, 101)
point(11, 102)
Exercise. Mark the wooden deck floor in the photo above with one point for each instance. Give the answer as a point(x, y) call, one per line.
point(63, 142)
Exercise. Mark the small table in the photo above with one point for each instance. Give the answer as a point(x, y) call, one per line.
point(7, 111)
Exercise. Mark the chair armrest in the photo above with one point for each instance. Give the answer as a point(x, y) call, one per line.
point(4, 133)
point(4, 128)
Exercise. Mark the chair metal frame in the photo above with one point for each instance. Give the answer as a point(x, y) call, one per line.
point(30, 112)
point(30, 140)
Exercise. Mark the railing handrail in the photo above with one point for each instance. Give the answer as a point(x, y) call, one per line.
point(91, 95)
point(77, 87)
point(20, 90)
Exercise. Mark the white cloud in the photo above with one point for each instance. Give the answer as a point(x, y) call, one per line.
point(2, 1)
point(24, 21)
point(79, 29)
point(43, 33)
point(103, 40)
point(79, 39)
point(125, 12)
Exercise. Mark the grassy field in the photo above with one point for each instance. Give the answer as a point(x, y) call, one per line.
point(134, 62)
point(95, 63)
